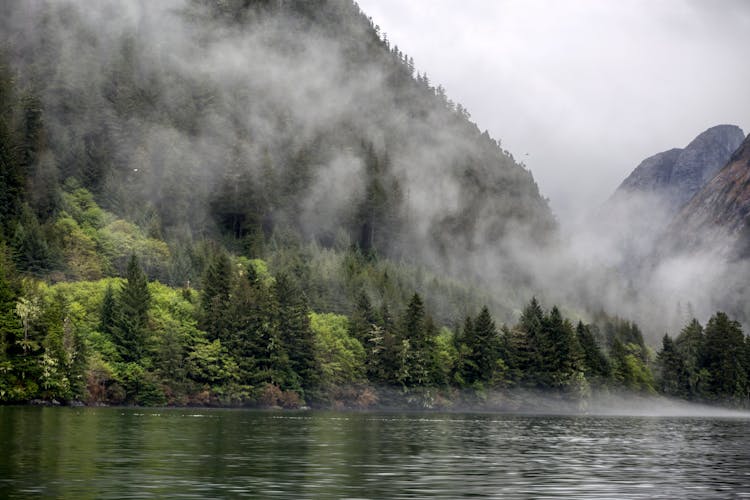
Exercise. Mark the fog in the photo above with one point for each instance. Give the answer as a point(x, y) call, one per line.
point(265, 95)
point(582, 90)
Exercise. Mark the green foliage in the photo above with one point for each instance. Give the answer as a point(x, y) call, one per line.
point(130, 329)
point(673, 377)
point(723, 356)
point(342, 358)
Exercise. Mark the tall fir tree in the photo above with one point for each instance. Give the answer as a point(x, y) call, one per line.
point(724, 358)
point(296, 335)
point(673, 377)
point(483, 349)
point(130, 331)
point(215, 301)
point(595, 364)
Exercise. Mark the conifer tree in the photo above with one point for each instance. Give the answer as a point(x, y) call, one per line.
point(253, 338)
point(724, 357)
point(217, 286)
point(561, 358)
point(595, 364)
point(483, 349)
point(689, 343)
point(130, 330)
point(673, 377)
point(532, 325)
point(108, 312)
point(417, 344)
point(10, 326)
point(363, 318)
point(296, 335)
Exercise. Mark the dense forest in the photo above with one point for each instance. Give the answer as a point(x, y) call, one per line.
point(272, 207)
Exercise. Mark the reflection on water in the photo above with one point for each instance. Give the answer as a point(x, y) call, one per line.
point(188, 453)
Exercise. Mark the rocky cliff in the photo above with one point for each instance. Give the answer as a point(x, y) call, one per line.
point(676, 175)
point(717, 217)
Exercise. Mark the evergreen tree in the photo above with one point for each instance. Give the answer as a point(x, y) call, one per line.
point(10, 326)
point(108, 313)
point(363, 318)
point(215, 303)
point(673, 376)
point(296, 335)
point(253, 338)
point(561, 353)
point(595, 363)
point(382, 350)
point(131, 328)
point(532, 325)
point(483, 348)
point(462, 341)
point(724, 358)
point(689, 343)
point(417, 333)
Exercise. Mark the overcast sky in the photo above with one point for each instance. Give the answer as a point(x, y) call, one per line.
point(581, 91)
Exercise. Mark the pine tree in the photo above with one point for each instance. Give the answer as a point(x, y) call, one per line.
point(595, 363)
point(363, 319)
point(108, 313)
point(131, 328)
point(724, 358)
point(416, 332)
point(531, 324)
point(561, 356)
point(10, 326)
point(296, 335)
point(383, 348)
point(253, 340)
point(673, 376)
point(217, 286)
point(689, 343)
point(483, 349)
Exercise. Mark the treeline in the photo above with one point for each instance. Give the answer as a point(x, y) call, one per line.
point(250, 338)
point(706, 364)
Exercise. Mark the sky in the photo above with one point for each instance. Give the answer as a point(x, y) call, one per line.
point(581, 91)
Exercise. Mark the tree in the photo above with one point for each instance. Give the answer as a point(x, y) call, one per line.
point(109, 312)
point(531, 324)
point(10, 326)
point(217, 286)
point(673, 377)
point(594, 362)
point(689, 344)
point(296, 335)
point(561, 353)
point(363, 318)
point(416, 356)
point(724, 358)
point(131, 328)
point(628, 369)
point(483, 349)
point(382, 348)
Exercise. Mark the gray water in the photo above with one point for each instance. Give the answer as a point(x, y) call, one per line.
point(188, 453)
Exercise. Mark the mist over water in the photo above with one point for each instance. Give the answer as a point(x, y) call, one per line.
point(192, 453)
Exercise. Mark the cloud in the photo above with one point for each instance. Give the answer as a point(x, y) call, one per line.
point(587, 88)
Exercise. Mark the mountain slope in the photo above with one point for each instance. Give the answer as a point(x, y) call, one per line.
point(718, 215)
point(676, 175)
point(259, 123)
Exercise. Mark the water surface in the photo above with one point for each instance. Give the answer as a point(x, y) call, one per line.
point(188, 453)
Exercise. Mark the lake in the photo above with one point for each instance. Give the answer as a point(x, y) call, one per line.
point(195, 453)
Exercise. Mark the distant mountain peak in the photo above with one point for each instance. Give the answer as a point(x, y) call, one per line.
point(721, 209)
point(676, 175)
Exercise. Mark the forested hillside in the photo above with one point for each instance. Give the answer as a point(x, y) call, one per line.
point(265, 203)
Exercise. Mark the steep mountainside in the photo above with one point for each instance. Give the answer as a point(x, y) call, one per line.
point(719, 214)
point(258, 123)
point(676, 175)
